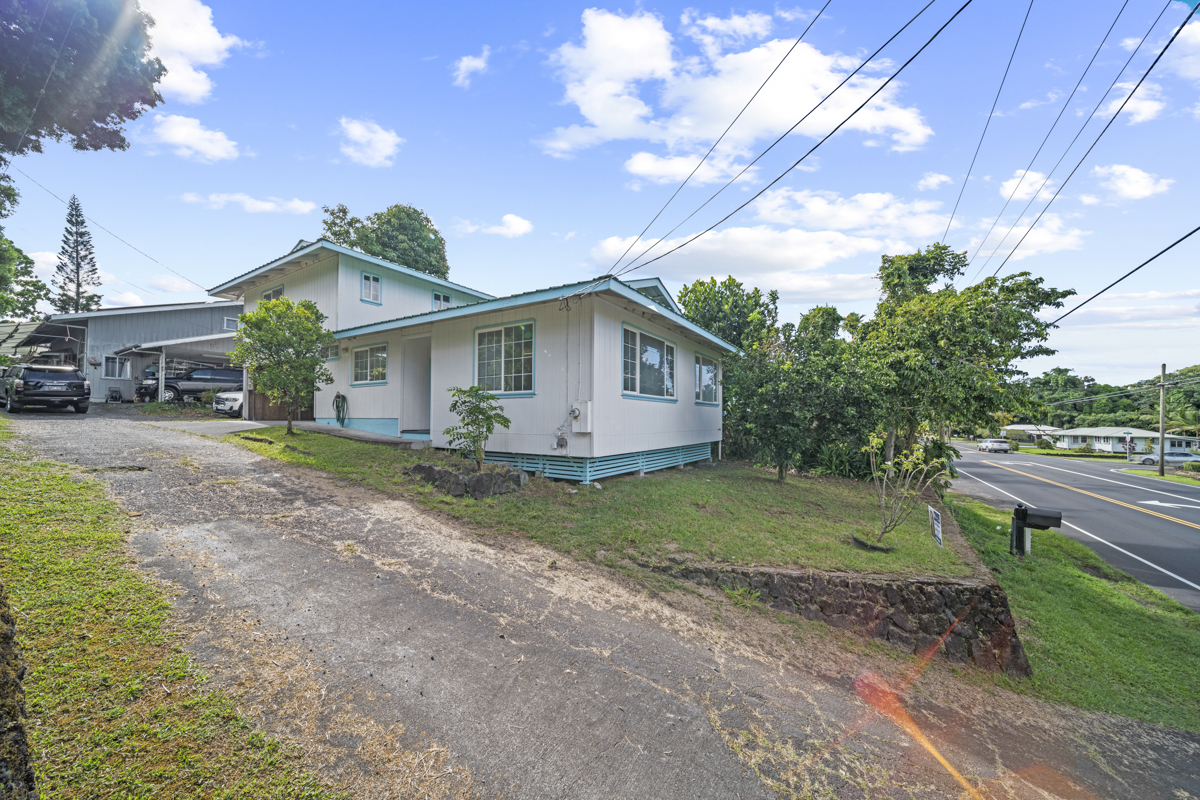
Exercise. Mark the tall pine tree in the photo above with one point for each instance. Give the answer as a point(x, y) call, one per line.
point(76, 271)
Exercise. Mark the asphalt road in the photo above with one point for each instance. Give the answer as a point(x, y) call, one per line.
point(375, 635)
point(1147, 527)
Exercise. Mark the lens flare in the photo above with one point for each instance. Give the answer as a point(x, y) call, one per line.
point(875, 692)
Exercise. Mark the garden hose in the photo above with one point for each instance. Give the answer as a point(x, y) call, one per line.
point(339, 408)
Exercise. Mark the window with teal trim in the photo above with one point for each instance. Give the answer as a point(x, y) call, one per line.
point(370, 364)
point(504, 358)
point(648, 365)
point(441, 301)
point(706, 379)
point(273, 294)
point(331, 352)
point(372, 288)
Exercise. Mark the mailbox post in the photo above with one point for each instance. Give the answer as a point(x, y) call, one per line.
point(1025, 520)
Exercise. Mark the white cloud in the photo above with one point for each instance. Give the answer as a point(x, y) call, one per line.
point(673, 169)
point(691, 99)
point(714, 34)
point(793, 14)
point(1131, 183)
point(1025, 184)
point(44, 264)
point(368, 143)
point(874, 214)
point(932, 180)
point(1137, 316)
point(123, 300)
point(1050, 236)
point(467, 65)
point(1089, 199)
point(189, 139)
point(1143, 106)
point(1184, 57)
point(511, 226)
point(184, 38)
point(1155, 295)
point(1050, 98)
point(250, 204)
point(171, 283)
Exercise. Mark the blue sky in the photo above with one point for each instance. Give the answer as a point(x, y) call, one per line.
point(541, 136)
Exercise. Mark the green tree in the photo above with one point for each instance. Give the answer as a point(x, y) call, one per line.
point(725, 308)
point(76, 271)
point(952, 355)
point(20, 289)
point(799, 387)
point(78, 69)
point(400, 234)
point(280, 343)
point(478, 415)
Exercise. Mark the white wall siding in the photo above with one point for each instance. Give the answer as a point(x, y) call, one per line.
point(625, 425)
point(562, 373)
point(401, 295)
point(316, 282)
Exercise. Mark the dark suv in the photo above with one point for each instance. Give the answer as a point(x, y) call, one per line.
point(192, 384)
point(44, 385)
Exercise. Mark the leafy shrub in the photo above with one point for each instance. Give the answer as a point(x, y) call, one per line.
point(1044, 444)
point(1014, 446)
point(1192, 467)
point(478, 415)
point(835, 459)
point(1084, 448)
point(207, 397)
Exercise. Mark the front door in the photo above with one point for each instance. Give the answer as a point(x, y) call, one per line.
point(415, 374)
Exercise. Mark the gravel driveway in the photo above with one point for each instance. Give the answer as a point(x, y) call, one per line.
point(384, 640)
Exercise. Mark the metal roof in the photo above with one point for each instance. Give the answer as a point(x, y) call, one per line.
point(105, 312)
point(605, 283)
point(302, 250)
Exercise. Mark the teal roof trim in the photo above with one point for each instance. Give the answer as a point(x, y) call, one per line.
point(325, 244)
point(540, 296)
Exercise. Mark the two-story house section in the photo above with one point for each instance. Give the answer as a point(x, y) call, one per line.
point(351, 289)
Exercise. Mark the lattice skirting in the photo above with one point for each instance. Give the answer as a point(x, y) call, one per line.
point(586, 470)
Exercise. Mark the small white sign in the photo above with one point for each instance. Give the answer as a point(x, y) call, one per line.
point(935, 524)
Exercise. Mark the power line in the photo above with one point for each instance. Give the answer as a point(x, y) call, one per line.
point(988, 122)
point(1096, 141)
point(811, 150)
point(1126, 275)
point(1125, 393)
point(722, 136)
point(1078, 133)
point(1071, 96)
point(731, 181)
point(118, 238)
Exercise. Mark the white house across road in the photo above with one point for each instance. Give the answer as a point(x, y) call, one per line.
point(1112, 440)
point(599, 377)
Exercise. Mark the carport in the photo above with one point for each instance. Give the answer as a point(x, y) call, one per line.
point(213, 349)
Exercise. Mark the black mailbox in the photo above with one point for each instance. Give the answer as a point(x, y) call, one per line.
point(1037, 518)
point(1025, 519)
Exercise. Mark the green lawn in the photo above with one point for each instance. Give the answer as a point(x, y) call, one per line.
point(730, 513)
point(1096, 638)
point(1153, 473)
point(116, 710)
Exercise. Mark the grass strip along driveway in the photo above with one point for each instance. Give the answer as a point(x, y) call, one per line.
point(116, 710)
point(729, 513)
point(1096, 638)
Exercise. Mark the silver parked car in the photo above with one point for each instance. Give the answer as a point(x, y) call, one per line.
point(228, 403)
point(1177, 457)
point(993, 446)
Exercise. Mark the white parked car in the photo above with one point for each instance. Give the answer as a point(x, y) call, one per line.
point(1180, 457)
point(993, 446)
point(228, 403)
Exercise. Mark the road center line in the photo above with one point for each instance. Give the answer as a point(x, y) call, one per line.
point(1139, 487)
point(1102, 497)
point(1085, 533)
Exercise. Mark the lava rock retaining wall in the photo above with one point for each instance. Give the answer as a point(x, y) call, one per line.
point(913, 613)
point(477, 484)
point(16, 766)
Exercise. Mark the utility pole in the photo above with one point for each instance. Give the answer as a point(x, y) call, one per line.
point(1162, 422)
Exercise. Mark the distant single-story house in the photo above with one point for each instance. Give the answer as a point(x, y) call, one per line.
point(1112, 440)
point(599, 377)
point(1030, 432)
point(118, 347)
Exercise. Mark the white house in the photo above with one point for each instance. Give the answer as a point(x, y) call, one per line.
point(1112, 440)
point(599, 377)
point(1030, 432)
